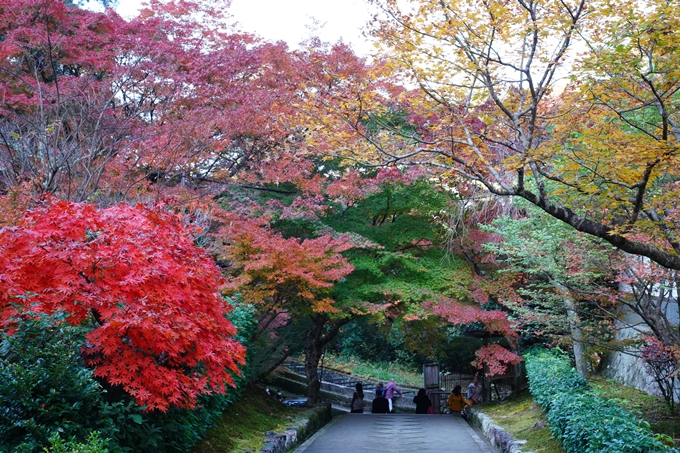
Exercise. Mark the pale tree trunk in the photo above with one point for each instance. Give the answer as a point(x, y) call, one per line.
point(317, 337)
point(576, 334)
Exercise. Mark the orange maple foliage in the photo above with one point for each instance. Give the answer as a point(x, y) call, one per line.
point(283, 273)
point(153, 298)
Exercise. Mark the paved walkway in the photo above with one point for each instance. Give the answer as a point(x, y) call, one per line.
point(398, 433)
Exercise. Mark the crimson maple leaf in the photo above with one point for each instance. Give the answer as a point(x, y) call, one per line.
point(160, 327)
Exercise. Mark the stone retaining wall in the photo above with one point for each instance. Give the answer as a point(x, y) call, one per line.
point(496, 435)
point(304, 425)
point(330, 392)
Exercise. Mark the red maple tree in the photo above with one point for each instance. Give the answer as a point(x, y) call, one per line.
point(134, 273)
point(94, 106)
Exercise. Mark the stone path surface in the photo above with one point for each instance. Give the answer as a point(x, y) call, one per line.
point(399, 433)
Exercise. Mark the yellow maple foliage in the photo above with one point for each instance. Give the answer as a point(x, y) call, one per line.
point(572, 105)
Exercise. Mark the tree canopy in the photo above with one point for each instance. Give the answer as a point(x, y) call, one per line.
point(150, 167)
point(570, 105)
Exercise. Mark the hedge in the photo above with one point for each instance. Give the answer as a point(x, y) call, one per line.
point(582, 421)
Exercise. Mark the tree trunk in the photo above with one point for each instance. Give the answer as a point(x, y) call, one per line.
point(313, 350)
point(271, 368)
point(315, 341)
point(576, 334)
point(579, 350)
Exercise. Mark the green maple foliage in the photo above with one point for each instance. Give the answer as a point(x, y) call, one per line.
point(153, 298)
point(398, 223)
point(407, 264)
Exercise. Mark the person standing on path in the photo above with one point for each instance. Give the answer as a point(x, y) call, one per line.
point(381, 387)
point(422, 402)
point(380, 405)
point(358, 400)
point(456, 401)
point(474, 396)
point(389, 392)
point(474, 392)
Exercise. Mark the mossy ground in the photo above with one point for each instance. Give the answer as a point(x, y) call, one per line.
point(244, 425)
point(524, 420)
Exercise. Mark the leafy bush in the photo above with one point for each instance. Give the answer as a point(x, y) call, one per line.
point(582, 421)
point(95, 444)
point(661, 363)
point(44, 387)
point(46, 390)
point(179, 429)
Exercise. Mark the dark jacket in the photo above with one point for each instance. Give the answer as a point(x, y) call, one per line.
point(422, 403)
point(380, 405)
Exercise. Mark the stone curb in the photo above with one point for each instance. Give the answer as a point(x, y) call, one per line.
point(306, 424)
point(497, 436)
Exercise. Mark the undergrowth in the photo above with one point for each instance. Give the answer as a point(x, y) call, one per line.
point(580, 417)
point(375, 370)
point(244, 425)
point(525, 420)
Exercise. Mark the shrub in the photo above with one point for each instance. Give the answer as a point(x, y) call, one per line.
point(44, 387)
point(582, 421)
point(95, 444)
point(178, 429)
point(661, 363)
point(45, 390)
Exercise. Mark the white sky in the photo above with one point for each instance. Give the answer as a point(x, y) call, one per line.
point(294, 20)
